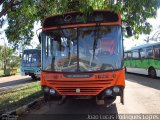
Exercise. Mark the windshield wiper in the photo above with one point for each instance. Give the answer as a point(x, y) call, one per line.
point(95, 38)
point(69, 51)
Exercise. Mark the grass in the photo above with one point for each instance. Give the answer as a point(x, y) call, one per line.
point(17, 97)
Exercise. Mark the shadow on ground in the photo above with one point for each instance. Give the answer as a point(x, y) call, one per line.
point(73, 110)
point(144, 80)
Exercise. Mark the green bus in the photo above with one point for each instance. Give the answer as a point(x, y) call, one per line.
point(144, 59)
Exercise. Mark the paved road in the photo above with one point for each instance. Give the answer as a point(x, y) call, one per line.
point(142, 96)
point(13, 81)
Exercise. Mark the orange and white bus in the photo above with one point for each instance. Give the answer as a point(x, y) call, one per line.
point(83, 59)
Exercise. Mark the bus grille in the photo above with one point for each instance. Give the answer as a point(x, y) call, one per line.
point(86, 87)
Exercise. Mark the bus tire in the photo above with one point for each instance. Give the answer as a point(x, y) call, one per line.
point(152, 72)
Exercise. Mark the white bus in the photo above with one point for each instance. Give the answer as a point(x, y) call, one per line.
point(144, 59)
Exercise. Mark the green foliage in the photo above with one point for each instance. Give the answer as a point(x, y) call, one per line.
point(9, 58)
point(1, 47)
point(14, 62)
point(24, 13)
point(38, 46)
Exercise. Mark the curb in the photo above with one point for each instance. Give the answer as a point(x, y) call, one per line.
point(21, 110)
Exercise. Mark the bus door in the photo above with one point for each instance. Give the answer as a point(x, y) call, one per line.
point(149, 57)
point(143, 60)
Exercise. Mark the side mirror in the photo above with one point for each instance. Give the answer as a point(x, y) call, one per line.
point(129, 31)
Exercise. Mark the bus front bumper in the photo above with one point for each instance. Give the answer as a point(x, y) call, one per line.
point(30, 71)
point(106, 97)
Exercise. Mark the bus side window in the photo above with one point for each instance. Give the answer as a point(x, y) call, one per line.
point(142, 54)
point(157, 52)
point(129, 55)
point(135, 54)
point(149, 52)
point(48, 46)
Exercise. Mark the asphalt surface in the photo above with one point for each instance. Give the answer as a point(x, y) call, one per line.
point(13, 81)
point(142, 101)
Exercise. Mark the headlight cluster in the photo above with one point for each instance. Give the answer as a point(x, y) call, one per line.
point(114, 90)
point(49, 90)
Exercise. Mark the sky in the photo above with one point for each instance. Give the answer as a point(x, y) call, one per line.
point(128, 43)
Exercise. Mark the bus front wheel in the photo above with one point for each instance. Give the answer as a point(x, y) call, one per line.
point(152, 72)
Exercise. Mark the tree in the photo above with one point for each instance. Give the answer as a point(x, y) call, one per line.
point(14, 61)
point(4, 57)
point(23, 13)
point(1, 62)
point(9, 57)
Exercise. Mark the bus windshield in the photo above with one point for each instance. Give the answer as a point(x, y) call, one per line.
point(31, 58)
point(82, 49)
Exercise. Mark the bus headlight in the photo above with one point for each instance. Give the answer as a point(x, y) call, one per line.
point(46, 89)
point(116, 89)
point(52, 91)
point(108, 92)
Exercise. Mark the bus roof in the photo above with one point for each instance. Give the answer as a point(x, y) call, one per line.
point(143, 46)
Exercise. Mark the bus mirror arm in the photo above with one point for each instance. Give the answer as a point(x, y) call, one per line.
point(39, 35)
point(39, 38)
point(129, 31)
